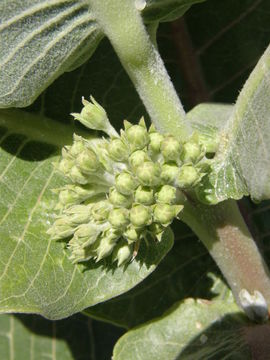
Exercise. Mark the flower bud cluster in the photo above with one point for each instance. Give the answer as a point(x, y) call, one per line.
point(123, 189)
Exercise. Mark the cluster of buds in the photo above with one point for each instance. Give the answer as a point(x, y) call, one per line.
point(125, 188)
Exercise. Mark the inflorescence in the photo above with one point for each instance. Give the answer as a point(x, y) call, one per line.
point(125, 188)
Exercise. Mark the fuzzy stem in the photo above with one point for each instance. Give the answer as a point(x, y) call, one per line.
point(224, 233)
point(122, 24)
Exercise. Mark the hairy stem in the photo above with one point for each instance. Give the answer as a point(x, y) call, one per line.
point(122, 23)
point(224, 233)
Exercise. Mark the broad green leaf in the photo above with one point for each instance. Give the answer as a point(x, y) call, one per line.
point(242, 164)
point(31, 337)
point(164, 10)
point(187, 271)
point(40, 40)
point(36, 275)
point(194, 330)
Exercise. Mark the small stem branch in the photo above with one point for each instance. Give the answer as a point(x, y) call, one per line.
point(122, 23)
point(224, 233)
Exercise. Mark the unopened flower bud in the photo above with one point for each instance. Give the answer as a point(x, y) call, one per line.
point(73, 194)
point(140, 215)
point(188, 176)
point(76, 176)
point(137, 158)
point(170, 149)
point(78, 214)
point(120, 200)
point(117, 150)
point(85, 235)
point(155, 142)
point(137, 137)
point(125, 183)
point(149, 173)
point(191, 152)
point(65, 165)
point(169, 172)
point(166, 195)
point(156, 228)
point(87, 161)
point(61, 229)
point(131, 234)
point(119, 218)
point(77, 147)
point(144, 195)
point(106, 244)
point(164, 213)
point(100, 211)
point(123, 253)
point(94, 117)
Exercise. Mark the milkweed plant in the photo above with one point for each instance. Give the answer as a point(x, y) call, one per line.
point(121, 190)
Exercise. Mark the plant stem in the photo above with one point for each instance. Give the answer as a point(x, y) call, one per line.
point(122, 23)
point(220, 227)
point(224, 233)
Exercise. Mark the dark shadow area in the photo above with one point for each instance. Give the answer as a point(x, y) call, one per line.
point(231, 338)
point(87, 339)
point(25, 149)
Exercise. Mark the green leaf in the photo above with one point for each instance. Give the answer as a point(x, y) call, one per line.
point(165, 10)
point(187, 271)
point(242, 164)
point(35, 273)
point(33, 337)
point(194, 330)
point(40, 40)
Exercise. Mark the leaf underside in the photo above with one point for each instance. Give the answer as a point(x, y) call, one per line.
point(39, 41)
point(242, 165)
point(190, 330)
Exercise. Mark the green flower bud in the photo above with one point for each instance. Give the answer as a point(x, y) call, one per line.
point(78, 214)
point(131, 234)
point(125, 183)
point(87, 161)
point(144, 195)
point(156, 228)
point(188, 177)
point(155, 142)
point(117, 150)
point(119, 218)
point(140, 215)
point(137, 136)
point(149, 173)
point(192, 152)
point(120, 200)
point(77, 147)
point(123, 253)
point(93, 116)
point(61, 229)
point(169, 172)
point(137, 158)
point(73, 194)
point(164, 213)
point(65, 165)
point(85, 235)
point(100, 211)
point(170, 149)
point(76, 176)
point(106, 244)
point(166, 195)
